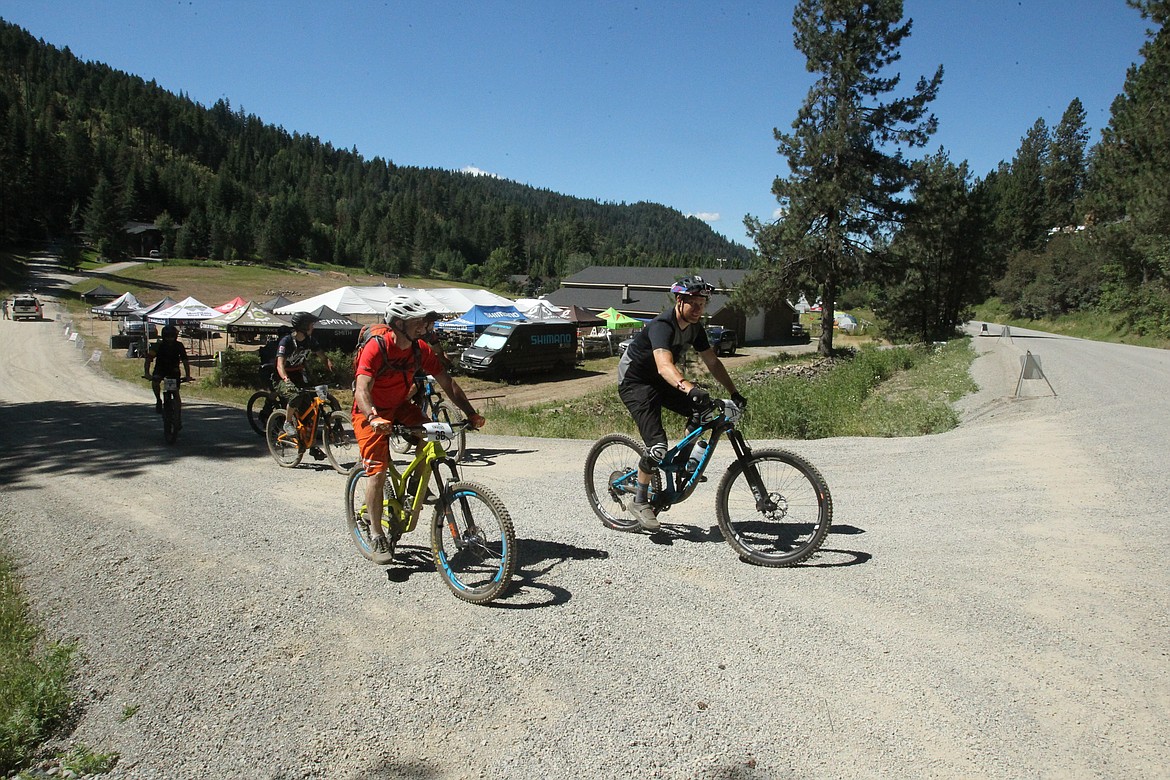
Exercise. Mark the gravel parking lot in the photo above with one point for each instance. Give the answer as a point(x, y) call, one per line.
point(992, 601)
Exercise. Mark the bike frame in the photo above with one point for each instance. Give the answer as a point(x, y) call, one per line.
point(673, 464)
point(425, 462)
point(314, 409)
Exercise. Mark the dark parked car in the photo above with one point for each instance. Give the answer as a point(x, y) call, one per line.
point(723, 340)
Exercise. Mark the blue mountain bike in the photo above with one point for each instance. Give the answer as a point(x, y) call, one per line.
point(773, 506)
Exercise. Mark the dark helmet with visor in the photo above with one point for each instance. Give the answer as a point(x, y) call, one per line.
point(692, 285)
point(303, 319)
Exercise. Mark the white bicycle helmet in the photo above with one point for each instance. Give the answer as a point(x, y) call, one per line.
point(404, 306)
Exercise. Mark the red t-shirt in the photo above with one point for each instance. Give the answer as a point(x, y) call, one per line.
point(394, 385)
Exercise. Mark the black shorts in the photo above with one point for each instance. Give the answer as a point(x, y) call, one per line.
point(646, 401)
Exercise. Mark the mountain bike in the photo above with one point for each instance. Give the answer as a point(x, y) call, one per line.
point(436, 409)
point(264, 402)
point(171, 407)
point(773, 506)
point(472, 538)
point(335, 428)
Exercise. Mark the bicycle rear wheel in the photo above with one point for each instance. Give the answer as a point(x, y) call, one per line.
point(357, 518)
point(790, 521)
point(340, 444)
point(473, 542)
point(260, 406)
point(611, 477)
point(449, 413)
point(285, 449)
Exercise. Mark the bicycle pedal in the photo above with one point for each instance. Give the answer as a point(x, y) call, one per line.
point(317, 454)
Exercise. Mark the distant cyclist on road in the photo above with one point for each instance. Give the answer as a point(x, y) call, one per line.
point(292, 356)
point(383, 387)
point(649, 379)
point(167, 354)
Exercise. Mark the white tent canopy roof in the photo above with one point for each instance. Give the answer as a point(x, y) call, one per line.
point(373, 300)
point(186, 310)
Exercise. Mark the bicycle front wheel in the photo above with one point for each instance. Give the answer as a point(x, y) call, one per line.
point(788, 522)
point(340, 444)
point(260, 407)
point(473, 542)
point(285, 448)
point(170, 421)
point(357, 516)
point(611, 477)
point(449, 413)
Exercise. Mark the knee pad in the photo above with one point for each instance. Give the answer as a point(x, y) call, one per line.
point(651, 459)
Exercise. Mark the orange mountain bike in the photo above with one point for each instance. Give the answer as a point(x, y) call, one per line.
point(317, 423)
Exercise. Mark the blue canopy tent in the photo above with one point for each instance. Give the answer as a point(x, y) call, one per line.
point(477, 318)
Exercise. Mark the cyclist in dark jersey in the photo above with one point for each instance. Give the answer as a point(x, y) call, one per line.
point(292, 356)
point(649, 378)
point(167, 354)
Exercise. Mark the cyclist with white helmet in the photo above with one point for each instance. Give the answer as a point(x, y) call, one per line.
point(384, 384)
point(292, 357)
point(649, 378)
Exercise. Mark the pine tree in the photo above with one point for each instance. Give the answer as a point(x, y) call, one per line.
point(847, 170)
point(1064, 179)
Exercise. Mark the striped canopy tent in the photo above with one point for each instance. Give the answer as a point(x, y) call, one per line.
point(122, 306)
point(247, 320)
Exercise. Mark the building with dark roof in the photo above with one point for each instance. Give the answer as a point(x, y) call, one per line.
point(645, 292)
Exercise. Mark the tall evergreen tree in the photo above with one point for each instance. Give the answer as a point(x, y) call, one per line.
point(847, 167)
point(1129, 200)
point(1064, 179)
point(936, 259)
point(104, 218)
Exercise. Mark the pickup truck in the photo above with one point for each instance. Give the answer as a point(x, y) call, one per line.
point(26, 307)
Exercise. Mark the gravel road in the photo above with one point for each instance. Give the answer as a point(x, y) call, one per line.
point(992, 601)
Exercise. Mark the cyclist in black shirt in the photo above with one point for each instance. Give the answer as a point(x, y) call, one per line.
point(292, 356)
point(167, 354)
point(649, 378)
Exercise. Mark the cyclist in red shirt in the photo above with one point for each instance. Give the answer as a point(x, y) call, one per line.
point(384, 384)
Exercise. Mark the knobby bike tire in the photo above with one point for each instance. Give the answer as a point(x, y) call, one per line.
point(400, 444)
point(473, 542)
point(170, 421)
point(284, 448)
point(611, 457)
point(357, 517)
point(260, 407)
point(339, 442)
point(449, 413)
point(794, 525)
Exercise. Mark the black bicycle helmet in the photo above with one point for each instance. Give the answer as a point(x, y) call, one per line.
point(302, 319)
point(692, 285)
point(170, 330)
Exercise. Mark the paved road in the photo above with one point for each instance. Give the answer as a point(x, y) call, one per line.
point(993, 601)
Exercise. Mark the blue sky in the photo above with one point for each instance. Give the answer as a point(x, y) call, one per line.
point(615, 101)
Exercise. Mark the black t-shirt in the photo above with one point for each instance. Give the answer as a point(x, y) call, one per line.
point(663, 332)
point(168, 358)
point(296, 353)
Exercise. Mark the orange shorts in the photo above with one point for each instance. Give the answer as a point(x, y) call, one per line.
point(374, 446)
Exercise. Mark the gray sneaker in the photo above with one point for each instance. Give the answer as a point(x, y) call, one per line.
point(644, 514)
point(290, 430)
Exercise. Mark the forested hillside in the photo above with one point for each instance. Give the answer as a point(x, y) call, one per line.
point(85, 148)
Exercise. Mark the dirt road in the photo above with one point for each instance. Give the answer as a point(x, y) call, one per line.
point(992, 602)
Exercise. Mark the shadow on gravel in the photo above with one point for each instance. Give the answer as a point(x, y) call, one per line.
point(537, 558)
point(65, 438)
point(481, 456)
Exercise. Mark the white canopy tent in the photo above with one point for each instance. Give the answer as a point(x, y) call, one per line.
point(372, 300)
point(186, 312)
point(122, 306)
